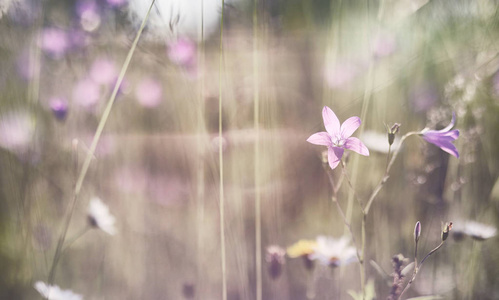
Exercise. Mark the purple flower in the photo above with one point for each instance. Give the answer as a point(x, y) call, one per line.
point(338, 138)
point(59, 107)
point(103, 71)
point(54, 42)
point(182, 52)
point(443, 138)
point(149, 92)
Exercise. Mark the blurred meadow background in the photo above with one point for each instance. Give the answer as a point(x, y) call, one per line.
point(206, 117)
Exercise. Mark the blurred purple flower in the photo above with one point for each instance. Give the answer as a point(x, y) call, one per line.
point(116, 3)
point(423, 97)
point(338, 138)
point(17, 132)
point(89, 14)
point(443, 138)
point(54, 42)
point(182, 52)
point(149, 92)
point(59, 107)
point(103, 71)
point(86, 93)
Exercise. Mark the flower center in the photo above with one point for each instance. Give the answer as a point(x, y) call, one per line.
point(338, 141)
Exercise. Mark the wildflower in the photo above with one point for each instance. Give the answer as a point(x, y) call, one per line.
point(53, 292)
point(338, 138)
point(182, 52)
point(332, 252)
point(99, 216)
point(303, 248)
point(103, 71)
point(443, 138)
point(17, 133)
point(149, 92)
point(59, 107)
point(475, 230)
point(86, 93)
point(275, 257)
point(54, 42)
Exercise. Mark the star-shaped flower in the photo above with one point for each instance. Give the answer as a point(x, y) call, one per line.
point(443, 138)
point(338, 138)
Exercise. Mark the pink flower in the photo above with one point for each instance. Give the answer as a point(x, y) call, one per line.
point(149, 92)
point(443, 138)
point(338, 138)
point(182, 52)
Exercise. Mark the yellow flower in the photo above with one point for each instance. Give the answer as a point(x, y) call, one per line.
point(301, 248)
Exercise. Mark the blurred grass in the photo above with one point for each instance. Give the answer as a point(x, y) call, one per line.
point(146, 165)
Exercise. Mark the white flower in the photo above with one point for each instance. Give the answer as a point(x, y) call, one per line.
point(53, 292)
point(476, 230)
point(333, 252)
point(99, 216)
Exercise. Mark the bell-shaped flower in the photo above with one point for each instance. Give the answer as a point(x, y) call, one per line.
point(338, 137)
point(443, 138)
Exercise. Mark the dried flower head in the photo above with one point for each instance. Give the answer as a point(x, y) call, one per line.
point(99, 216)
point(445, 231)
point(53, 292)
point(392, 131)
point(275, 256)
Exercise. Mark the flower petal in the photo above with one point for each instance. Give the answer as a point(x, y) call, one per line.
point(320, 138)
point(452, 123)
point(331, 121)
point(349, 126)
point(445, 145)
point(334, 155)
point(354, 144)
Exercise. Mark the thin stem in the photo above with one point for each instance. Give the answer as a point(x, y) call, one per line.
point(417, 269)
point(334, 198)
point(90, 154)
point(256, 126)
point(387, 171)
point(350, 184)
point(200, 208)
point(76, 237)
point(221, 165)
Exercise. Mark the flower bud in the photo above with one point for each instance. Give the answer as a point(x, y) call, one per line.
point(446, 229)
point(417, 231)
point(392, 131)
